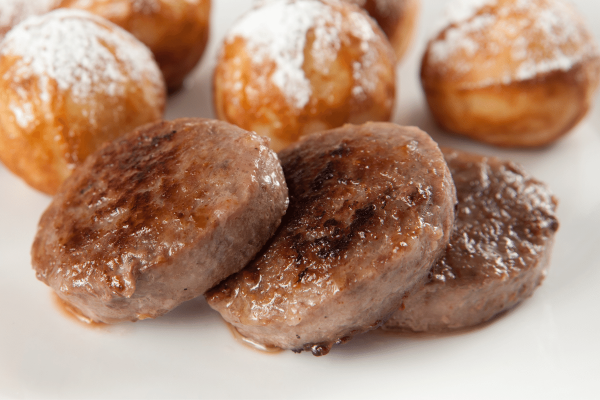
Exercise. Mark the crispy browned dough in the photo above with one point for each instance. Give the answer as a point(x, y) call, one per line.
point(175, 30)
point(371, 208)
point(397, 19)
point(353, 84)
point(503, 78)
point(159, 216)
point(498, 253)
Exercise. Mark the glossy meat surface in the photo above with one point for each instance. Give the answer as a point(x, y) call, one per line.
point(498, 253)
point(158, 217)
point(371, 208)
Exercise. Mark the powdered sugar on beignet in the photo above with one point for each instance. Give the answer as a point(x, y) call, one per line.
point(488, 42)
point(70, 81)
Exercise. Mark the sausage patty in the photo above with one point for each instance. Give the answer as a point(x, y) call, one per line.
point(371, 208)
point(159, 216)
point(498, 253)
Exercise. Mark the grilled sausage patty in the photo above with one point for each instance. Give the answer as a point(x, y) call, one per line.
point(159, 216)
point(499, 249)
point(371, 208)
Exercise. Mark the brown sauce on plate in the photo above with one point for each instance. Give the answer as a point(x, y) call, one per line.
point(252, 344)
point(73, 313)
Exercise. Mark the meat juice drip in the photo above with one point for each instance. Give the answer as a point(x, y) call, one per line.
point(252, 344)
point(73, 313)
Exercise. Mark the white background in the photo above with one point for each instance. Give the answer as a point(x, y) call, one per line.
point(549, 347)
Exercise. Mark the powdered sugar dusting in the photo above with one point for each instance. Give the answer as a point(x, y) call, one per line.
point(10, 10)
point(23, 113)
point(363, 30)
point(458, 38)
point(14, 11)
point(79, 53)
point(277, 32)
point(145, 6)
point(463, 10)
point(539, 36)
point(384, 7)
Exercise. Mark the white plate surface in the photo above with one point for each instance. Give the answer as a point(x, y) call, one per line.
point(546, 348)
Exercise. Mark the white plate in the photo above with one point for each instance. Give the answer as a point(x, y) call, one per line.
point(545, 348)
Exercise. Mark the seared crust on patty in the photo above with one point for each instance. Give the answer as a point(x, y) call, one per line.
point(159, 216)
point(498, 253)
point(371, 208)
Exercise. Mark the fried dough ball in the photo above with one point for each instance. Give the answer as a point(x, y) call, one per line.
point(175, 30)
point(397, 19)
point(293, 67)
point(511, 72)
point(70, 81)
point(14, 11)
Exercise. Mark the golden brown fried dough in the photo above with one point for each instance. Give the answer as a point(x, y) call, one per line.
point(175, 30)
point(511, 73)
point(70, 81)
point(292, 67)
point(397, 19)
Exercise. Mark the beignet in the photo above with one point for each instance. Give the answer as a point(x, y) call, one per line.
point(511, 72)
point(397, 19)
point(69, 82)
point(293, 67)
point(175, 30)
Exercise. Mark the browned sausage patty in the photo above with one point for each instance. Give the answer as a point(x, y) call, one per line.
point(498, 253)
point(371, 208)
point(159, 216)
